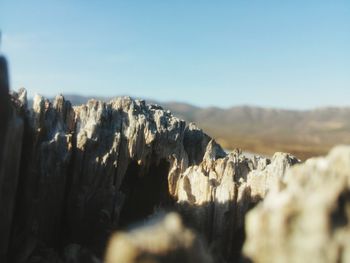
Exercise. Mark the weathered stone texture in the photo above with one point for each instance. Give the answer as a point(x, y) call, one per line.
point(215, 195)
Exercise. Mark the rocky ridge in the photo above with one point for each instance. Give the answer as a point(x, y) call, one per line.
point(86, 171)
point(71, 176)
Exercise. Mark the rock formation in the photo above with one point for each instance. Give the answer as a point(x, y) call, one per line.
point(86, 171)
point(72, 176)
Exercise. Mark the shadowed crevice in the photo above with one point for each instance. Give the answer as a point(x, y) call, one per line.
point(144, 194)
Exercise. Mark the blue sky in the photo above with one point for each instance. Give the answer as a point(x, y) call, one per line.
point(287, 54)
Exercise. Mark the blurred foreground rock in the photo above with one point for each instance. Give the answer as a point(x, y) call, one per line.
point(11, 134)
point(163, 239)
point(306, 219)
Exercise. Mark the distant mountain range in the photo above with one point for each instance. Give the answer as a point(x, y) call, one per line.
point(263, 130)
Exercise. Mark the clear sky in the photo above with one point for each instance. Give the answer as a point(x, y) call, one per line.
point(289, 54)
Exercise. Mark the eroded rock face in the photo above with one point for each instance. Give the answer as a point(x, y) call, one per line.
point(268, 174)
point(124, 151)
point(215, 195)
point(44, 171)
point(86, 171)
point(89, 170)
point(307, 217)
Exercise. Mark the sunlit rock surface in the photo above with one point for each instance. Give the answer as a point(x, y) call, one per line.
point(215, 195)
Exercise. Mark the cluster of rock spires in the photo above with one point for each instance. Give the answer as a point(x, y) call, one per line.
point(72, 176)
